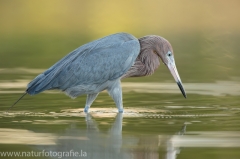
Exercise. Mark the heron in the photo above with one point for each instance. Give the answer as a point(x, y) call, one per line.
point(102, 64)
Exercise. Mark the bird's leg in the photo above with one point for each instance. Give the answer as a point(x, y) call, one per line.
point(115, 91)
point(89, 101)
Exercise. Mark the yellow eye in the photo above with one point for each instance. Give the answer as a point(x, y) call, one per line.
point(155, 52)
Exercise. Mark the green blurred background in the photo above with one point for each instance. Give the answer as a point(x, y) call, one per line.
point(204, 34)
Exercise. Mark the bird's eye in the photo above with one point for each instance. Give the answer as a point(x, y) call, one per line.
point(155, 52)
point(169, 54)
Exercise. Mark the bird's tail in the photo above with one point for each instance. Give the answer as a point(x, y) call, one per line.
point(39, 84)
point(17, 101)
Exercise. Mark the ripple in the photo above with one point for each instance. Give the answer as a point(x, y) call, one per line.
point(106, 113)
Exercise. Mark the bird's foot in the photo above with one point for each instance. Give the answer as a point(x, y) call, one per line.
point(86, 109)
point(120, 111)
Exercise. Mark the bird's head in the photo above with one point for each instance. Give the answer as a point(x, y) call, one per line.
point(162, 48)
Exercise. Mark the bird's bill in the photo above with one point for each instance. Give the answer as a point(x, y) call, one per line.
point(174, 72)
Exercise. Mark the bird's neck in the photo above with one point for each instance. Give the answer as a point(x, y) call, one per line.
point(145, 64)
point(149, 61)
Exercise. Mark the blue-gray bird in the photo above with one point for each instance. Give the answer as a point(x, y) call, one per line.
point(101, 64)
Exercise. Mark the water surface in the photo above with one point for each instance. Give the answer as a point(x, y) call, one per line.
point(157, 123)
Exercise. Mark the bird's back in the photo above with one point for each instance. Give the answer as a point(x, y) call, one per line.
point(92, 64)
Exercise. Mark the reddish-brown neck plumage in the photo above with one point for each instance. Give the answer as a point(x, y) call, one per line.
point(152, 48)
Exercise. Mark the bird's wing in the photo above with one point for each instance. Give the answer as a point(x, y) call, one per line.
point(93, 63)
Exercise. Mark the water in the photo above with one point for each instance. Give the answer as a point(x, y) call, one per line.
point(158, 122)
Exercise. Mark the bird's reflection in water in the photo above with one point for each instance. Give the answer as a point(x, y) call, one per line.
point(101, 145)
point(173, 151)
point(91, 143)
point(94, 144)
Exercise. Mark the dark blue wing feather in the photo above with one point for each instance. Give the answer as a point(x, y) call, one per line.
point(93, 63)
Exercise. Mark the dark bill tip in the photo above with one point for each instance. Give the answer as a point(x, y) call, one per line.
point(182, 89)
